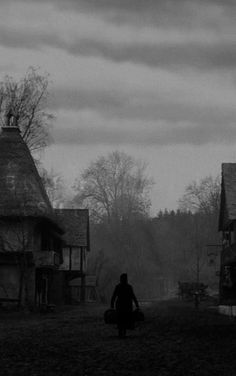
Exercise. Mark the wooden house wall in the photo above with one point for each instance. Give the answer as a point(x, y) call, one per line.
point(16, 235)
point(12, 232)
point(10, 277)
point(9, 281)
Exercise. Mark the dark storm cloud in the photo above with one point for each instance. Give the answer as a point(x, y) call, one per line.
point(204, 50)
point(172, 112)
point(139, 5)
point(149, 12)
point(110, 105)
point(13, 38)
point(175, 134)
point(203, 55)
point(200, 55)
point(188, 38)
point(101, 101)
point(136, 6)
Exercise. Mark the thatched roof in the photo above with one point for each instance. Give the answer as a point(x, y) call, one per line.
point(21, 190)
point(76, 225)
point(228, 195)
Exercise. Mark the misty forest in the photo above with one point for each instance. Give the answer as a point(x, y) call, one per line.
point(157, 251)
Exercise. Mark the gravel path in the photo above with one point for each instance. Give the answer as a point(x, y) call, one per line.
point(174, 340)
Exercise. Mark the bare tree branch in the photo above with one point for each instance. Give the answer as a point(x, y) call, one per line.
point(27, 100)
point(115, 187)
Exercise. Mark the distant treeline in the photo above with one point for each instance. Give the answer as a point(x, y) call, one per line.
point(156, 252)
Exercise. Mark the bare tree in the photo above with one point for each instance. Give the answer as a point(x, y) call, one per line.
point(26, 100)
point(203, 200)
point(202, 197)
point(55, 187)
point(114, 186)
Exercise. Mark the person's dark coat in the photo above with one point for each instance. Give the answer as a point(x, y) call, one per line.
point(122, 299)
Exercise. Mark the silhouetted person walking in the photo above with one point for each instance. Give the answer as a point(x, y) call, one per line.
point(123, 298)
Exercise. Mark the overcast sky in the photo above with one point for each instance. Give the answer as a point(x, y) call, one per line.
point(153, 78)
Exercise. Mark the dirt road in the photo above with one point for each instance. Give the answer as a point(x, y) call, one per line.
point(174, 340)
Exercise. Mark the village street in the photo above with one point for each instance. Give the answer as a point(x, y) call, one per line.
point(174, 340)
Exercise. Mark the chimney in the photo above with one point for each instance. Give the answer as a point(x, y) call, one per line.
point(11, 121)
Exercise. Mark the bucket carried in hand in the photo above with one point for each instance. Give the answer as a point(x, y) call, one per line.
point(138, 315)
point(110, 316)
